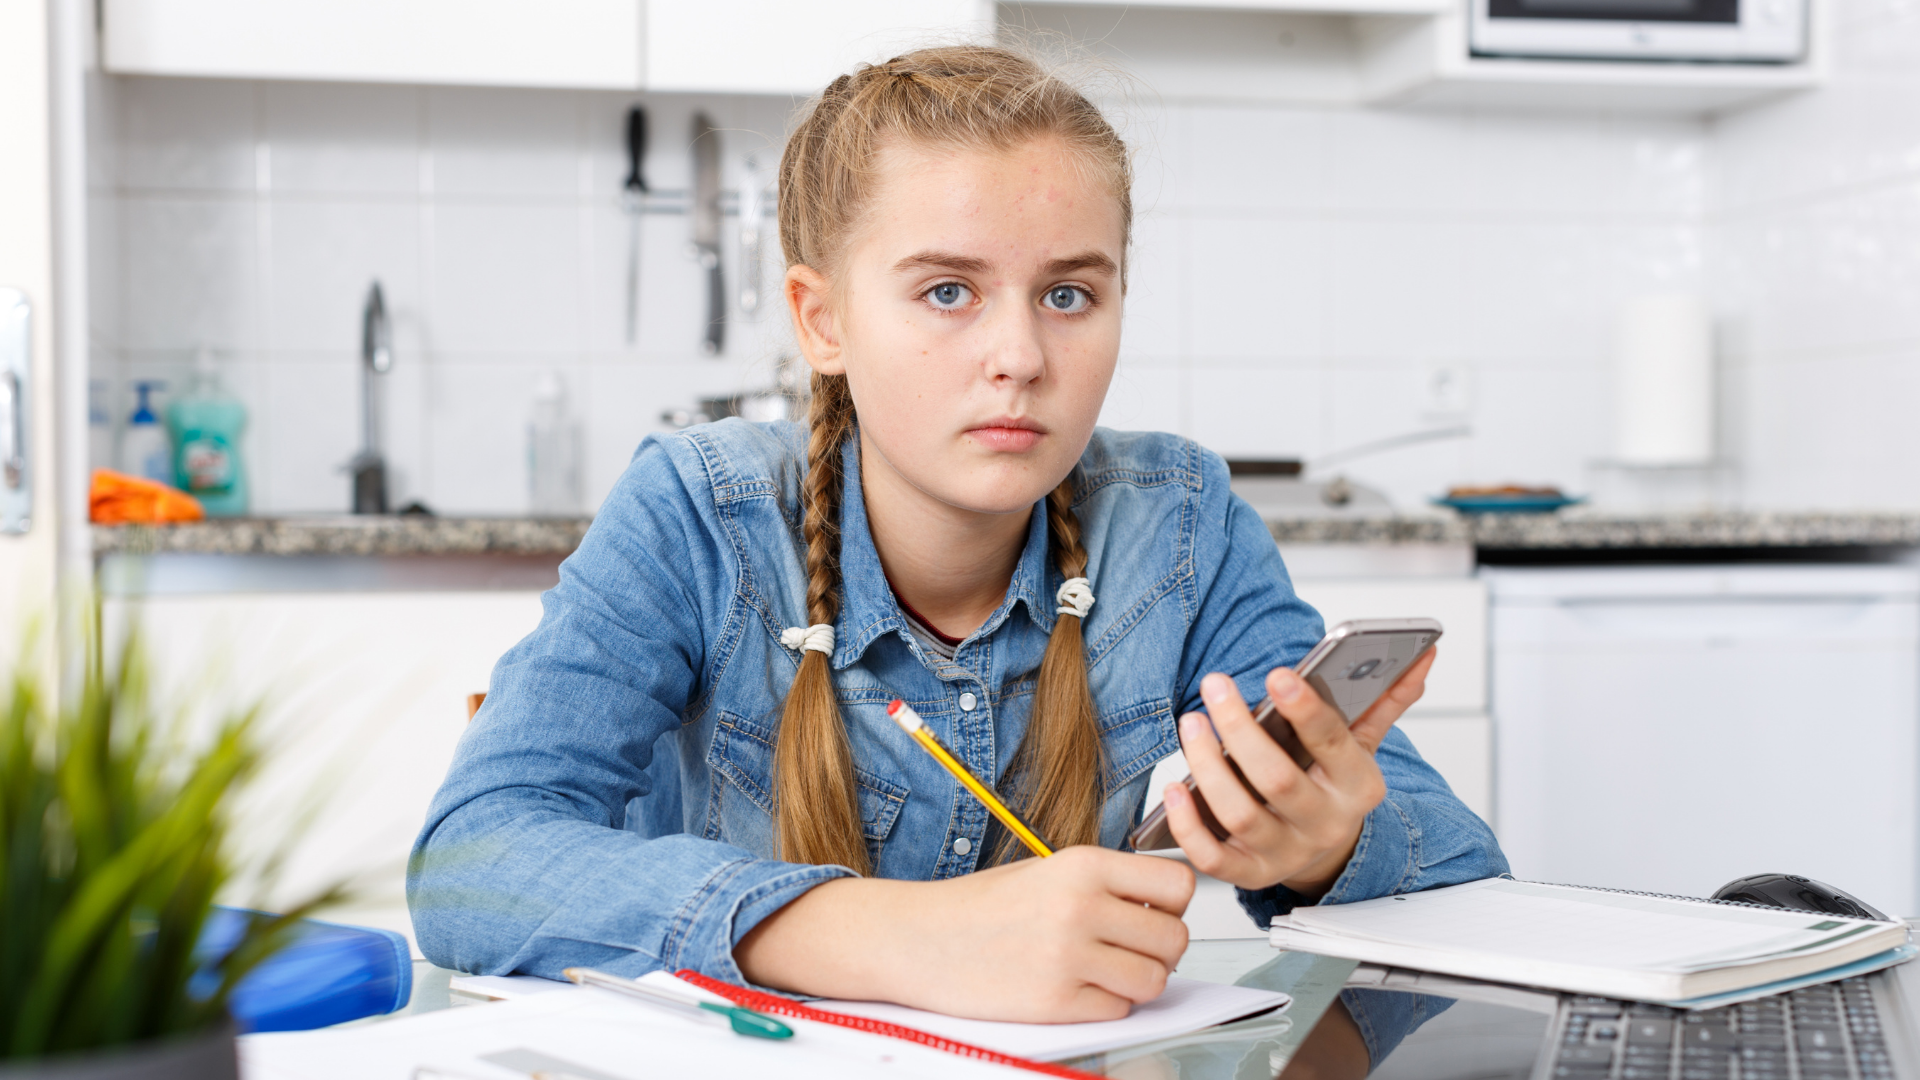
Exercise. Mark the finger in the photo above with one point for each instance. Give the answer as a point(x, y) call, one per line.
point(1233, 806)
point(1207, 854)
point(1321, 727)
point(1125, 973)
point(1407, 689)
point(1148, 879)
point(1144, 930)
point(1267, 765)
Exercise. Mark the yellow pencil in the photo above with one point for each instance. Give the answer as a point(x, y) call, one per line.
point(911, 723)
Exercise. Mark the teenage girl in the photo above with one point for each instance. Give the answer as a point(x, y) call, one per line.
point(689, 762)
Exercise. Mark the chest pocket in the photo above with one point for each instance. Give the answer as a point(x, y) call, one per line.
point(742, 754)
point(1137, 737)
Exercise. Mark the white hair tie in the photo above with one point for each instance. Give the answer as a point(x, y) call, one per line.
point(1075, 597)
point(818, 637)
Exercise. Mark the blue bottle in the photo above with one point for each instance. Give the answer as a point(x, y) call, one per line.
point(206, 424)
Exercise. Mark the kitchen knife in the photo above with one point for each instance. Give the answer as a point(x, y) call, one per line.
point(632, 198)
point(706, 227)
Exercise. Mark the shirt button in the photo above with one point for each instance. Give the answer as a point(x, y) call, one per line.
point(962, 846)
point(967, 702)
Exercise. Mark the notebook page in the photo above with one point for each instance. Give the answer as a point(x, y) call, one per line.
point(1557, 924)
point(592, 1034)
point(1187, 1005)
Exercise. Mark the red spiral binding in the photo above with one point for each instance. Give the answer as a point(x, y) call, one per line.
point(760, 1001)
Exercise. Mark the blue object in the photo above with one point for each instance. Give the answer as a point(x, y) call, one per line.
point(329, 974)
point(1508, 504)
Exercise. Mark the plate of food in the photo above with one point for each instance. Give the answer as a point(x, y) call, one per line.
point(1506, 499)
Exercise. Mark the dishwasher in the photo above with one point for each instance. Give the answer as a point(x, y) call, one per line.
point(1669, 729)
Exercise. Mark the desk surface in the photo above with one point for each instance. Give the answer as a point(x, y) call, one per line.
point(1261, 1046)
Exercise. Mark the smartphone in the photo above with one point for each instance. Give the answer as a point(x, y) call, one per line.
point(1350, 668)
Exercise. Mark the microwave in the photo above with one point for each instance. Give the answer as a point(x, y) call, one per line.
point(1724, 31)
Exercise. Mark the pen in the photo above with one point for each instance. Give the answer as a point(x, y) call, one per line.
point(744, 1021)
point(911, 723)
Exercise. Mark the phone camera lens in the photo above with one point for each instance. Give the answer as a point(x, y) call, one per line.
point(1363, 670)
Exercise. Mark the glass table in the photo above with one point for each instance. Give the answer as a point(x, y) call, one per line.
point(1317, 1038)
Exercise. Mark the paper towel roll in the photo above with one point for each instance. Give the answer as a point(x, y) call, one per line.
point(1663, 381)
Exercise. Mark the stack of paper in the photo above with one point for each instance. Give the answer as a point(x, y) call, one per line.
point(1588, 941)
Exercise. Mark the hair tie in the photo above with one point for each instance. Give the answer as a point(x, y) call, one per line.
point(1075, 597)
point(818, 637)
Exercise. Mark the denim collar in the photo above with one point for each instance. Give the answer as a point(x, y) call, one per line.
point(867, 605)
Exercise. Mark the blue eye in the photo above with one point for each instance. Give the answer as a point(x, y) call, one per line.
point(949, 296)
point(1068, 299)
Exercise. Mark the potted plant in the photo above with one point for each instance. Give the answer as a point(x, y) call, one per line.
point(114, 841)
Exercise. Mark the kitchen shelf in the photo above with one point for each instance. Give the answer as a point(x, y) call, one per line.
point(1426, 63)
point(1388, 54)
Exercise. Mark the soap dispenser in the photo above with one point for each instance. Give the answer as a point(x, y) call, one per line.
point(144, 450)
point(206, 424)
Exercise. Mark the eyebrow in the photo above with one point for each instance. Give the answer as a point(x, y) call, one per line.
point(966, 264)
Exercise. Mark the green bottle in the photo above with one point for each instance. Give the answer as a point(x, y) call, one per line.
point(206, 424)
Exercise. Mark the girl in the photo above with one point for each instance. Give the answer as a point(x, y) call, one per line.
point(689, 762)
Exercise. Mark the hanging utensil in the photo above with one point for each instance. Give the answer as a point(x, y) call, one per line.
point(369, 467)
point(632, 197)
point(752, 208)
point(706, 228)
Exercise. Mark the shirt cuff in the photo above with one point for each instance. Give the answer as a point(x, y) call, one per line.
point(740, 895)
point(1382, 863)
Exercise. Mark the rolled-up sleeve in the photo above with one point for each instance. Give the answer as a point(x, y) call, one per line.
point(524, 864)
point(1251, 621)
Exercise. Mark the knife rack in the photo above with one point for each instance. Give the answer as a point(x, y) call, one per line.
point(677, 202)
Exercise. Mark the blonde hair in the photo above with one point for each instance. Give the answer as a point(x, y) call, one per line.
point(958, 97)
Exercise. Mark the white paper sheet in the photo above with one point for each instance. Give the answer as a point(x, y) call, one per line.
point(1187, 1005)
point(591, 1034)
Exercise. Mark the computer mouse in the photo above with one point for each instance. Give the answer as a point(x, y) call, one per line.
point(1798, 893)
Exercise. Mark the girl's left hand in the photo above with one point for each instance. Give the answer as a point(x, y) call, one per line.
point(1304, 833)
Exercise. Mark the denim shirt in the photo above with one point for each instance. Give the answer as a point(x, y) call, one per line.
point(611, 805)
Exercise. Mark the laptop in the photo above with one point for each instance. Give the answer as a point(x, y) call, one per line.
point(1862, 1028)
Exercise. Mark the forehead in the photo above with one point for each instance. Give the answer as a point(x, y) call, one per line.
point(1028, 202)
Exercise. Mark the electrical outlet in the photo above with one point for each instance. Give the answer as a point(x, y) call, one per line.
point(1446, 390)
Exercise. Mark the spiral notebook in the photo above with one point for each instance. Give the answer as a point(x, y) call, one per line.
point(1616, 944)
point(1187, 1005)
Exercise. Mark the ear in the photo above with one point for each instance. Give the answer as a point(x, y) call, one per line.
point(815, 325)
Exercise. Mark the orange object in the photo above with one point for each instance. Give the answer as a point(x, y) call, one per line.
point(119, 499)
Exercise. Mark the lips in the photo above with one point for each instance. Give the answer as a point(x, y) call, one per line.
point(1008, 433)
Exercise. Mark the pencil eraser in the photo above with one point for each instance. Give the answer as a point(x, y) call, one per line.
point(894, 706)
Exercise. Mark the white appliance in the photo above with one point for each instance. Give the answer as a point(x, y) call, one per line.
point(1749, 31)
point(1671, 729)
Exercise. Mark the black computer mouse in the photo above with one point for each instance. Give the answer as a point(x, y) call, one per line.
point(1798, 893)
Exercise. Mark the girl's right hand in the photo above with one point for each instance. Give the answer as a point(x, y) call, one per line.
point(1083, 935)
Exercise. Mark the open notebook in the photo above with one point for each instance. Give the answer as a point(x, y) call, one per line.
point(1187, 1005)
point(1587, 941)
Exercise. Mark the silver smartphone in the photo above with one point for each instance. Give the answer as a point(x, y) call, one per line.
point(1350, 668)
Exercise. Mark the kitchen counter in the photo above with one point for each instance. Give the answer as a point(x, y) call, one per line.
point(1564, 531)
point(347, 535)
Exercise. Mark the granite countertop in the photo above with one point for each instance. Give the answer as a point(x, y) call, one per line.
point(348, 535)
point(1584, 529)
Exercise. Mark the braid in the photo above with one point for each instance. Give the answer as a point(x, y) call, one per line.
point(1058, 765)
point(818, 814)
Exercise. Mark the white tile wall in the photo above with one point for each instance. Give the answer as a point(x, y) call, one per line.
point(1297, 273)
point(1813, 251)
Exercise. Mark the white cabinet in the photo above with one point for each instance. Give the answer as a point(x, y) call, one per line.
point(1671, 729)
point(729, 46)
point(588, 44)
point(784, 47)
point(367, 696)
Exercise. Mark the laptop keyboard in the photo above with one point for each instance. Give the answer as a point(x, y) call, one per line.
point(1826, 1032)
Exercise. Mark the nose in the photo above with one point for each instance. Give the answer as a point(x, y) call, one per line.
point(1015, 356)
